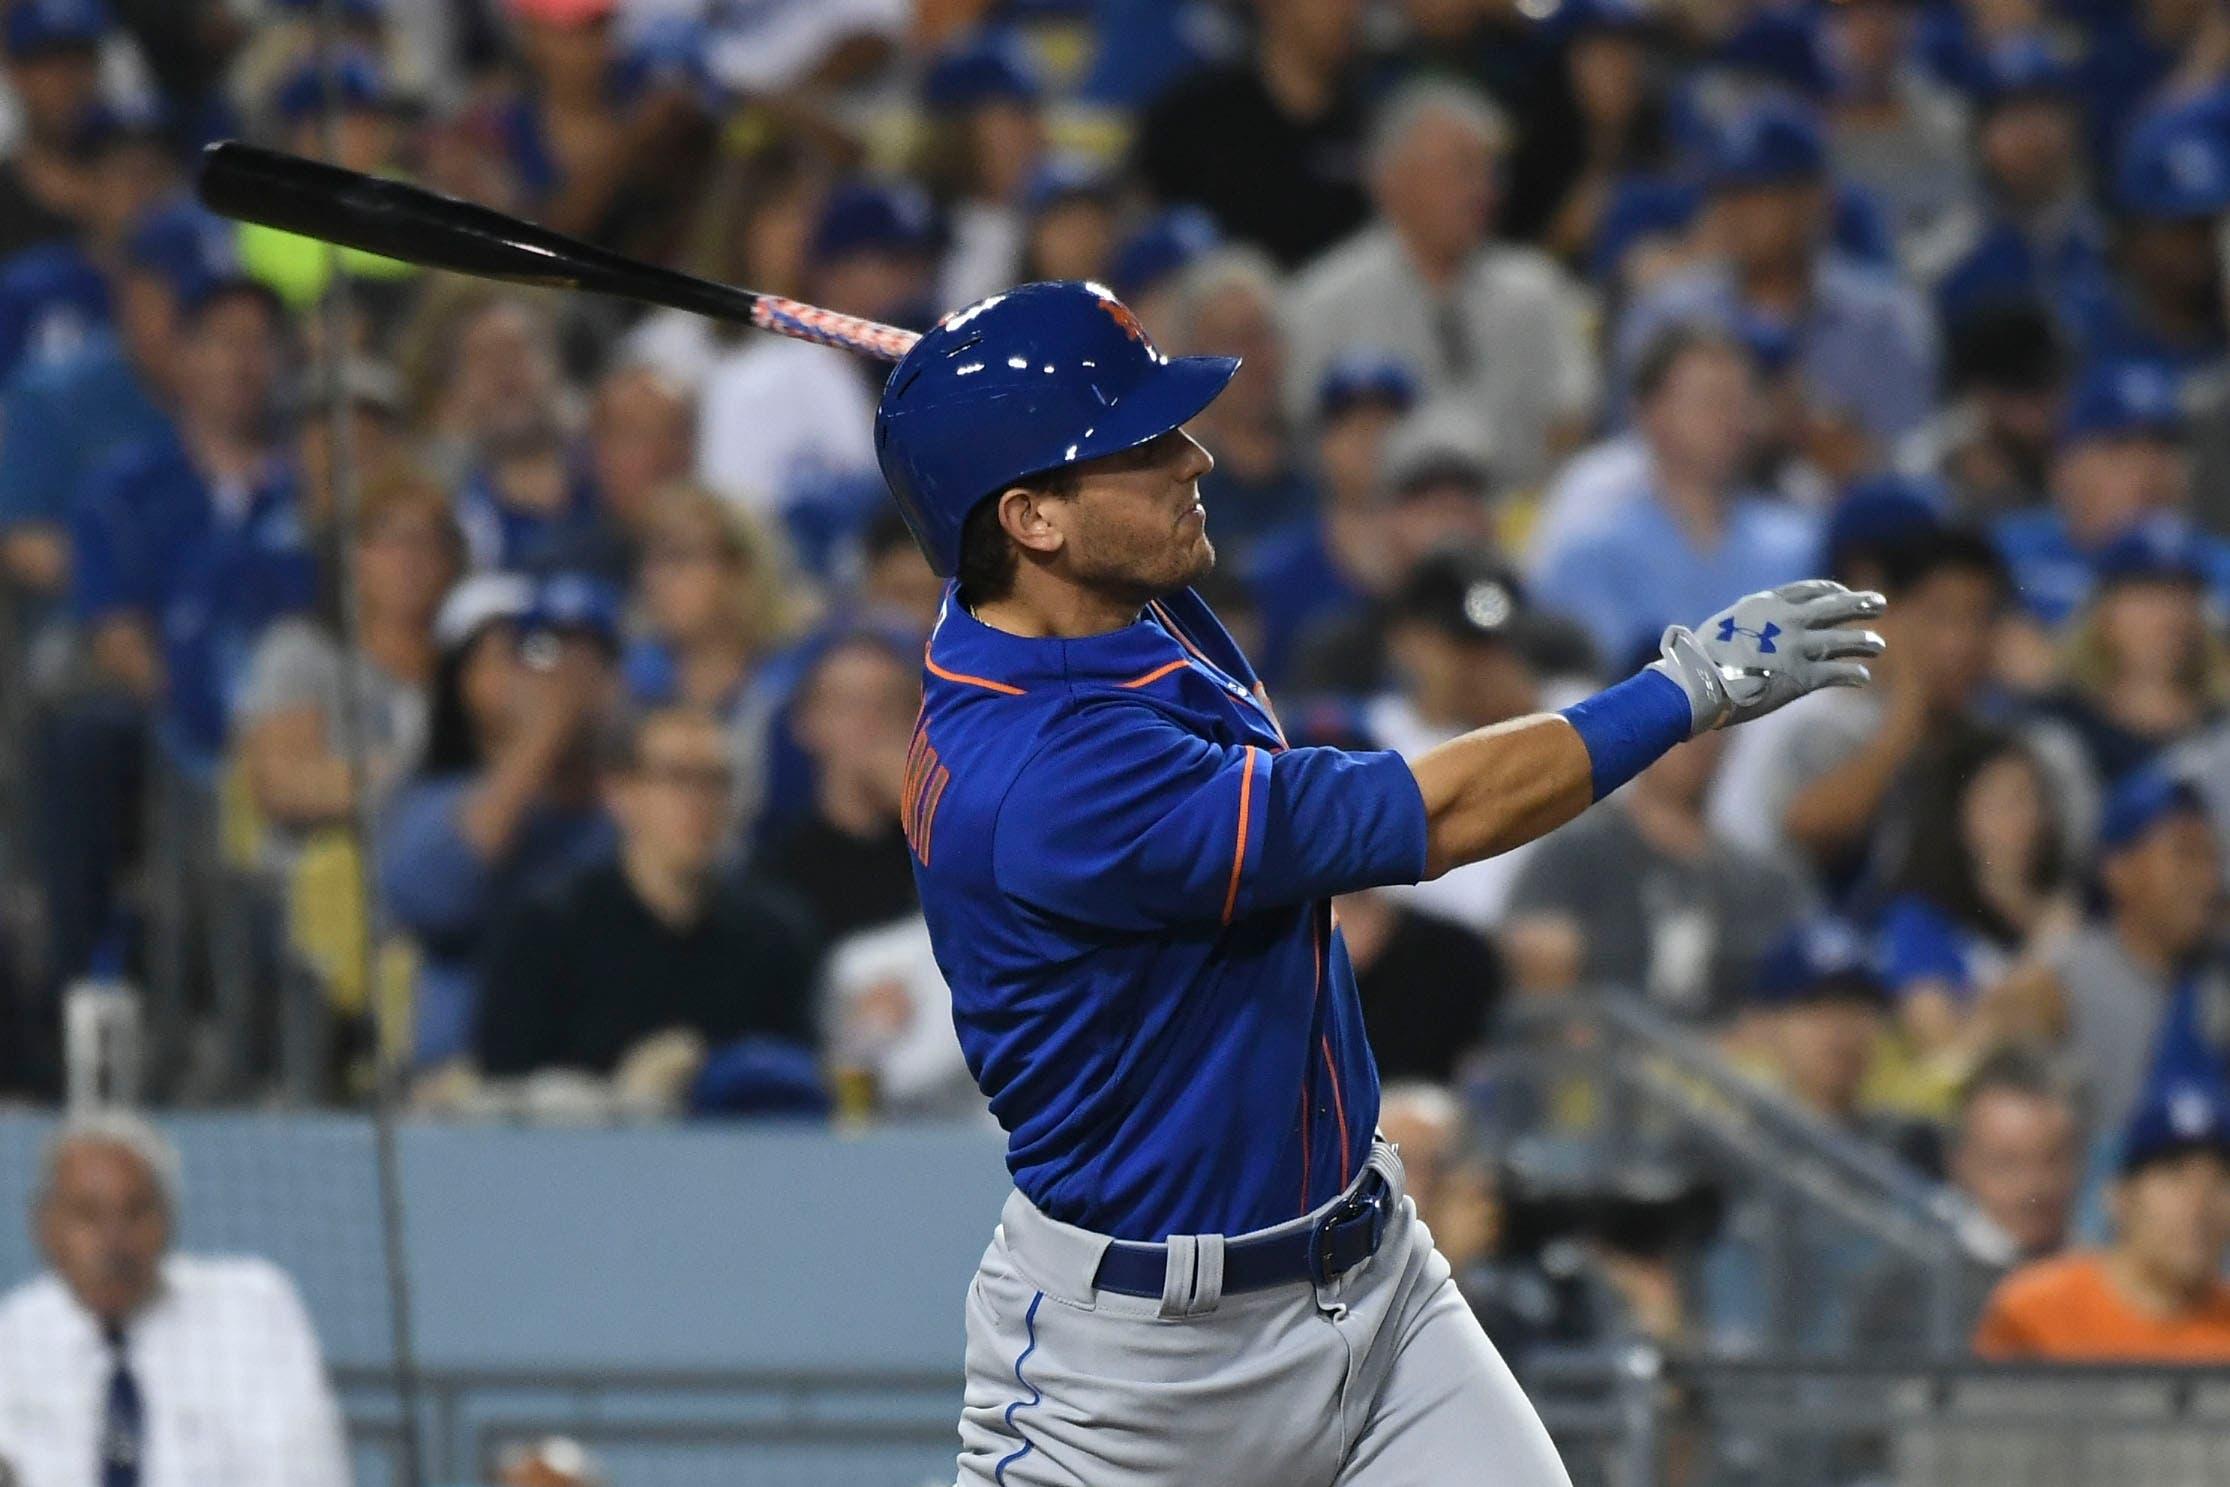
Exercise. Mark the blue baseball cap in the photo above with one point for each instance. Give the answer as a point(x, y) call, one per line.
point(1821, 959)
point(1573, 18)
point(1366, 376)
point(1640, 207)
point(2118, 398)
point(2175, 166)
point(1161, 247)
point(2142, 801)
point(1883, 511)
point(38, 27)
point(869, 216)
point(994, 67)
point(1065, 178)
point(760, 1076)
point(359, 84)
point(577, 603)
point(2181, 1115)
point(108, 123)
point(191, 249)
point(1776, 143)
point(2163, 550)
point(2022, 67)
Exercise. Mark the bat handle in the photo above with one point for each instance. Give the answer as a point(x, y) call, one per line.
point(789, 317)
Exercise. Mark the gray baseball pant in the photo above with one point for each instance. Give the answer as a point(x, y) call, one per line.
point(1382, 1378)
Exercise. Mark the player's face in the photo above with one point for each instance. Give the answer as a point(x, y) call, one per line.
point(1135, 525)
point(105, 1227)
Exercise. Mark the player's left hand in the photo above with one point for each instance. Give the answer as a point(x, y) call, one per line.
point(1771, 648)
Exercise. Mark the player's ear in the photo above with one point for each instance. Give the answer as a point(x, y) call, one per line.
point(1026, 516)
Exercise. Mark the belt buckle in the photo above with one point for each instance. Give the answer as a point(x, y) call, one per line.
point(1368, 1205)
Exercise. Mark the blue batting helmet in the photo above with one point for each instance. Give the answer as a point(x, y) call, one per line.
point(1019, 384)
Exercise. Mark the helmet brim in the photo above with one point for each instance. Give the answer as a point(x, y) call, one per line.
point(1170, 400)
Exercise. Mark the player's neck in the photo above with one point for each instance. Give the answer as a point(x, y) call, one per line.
point(1041, 607)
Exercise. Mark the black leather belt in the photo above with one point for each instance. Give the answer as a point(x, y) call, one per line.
point(1346, 1236)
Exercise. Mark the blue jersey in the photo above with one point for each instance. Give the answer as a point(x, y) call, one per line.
point(1126, 873)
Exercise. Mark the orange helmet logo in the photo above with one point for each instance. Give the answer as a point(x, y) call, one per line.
point(1123, 316)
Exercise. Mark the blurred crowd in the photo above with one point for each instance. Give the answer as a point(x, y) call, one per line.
point(1563, 320)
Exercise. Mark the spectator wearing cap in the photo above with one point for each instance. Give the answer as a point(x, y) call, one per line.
point(1991, 443)
point(1645, 898)
point(1288, 121)
point(53, 65)
point(2149, 949)
point(661, 936)
point(2031, 232)
point(846, 856)
point(1071, 205)
point(504, 792)
point(62, 420)
point(1593, 114)
point(1685, 529)
point(2155, 1292)
point(408, 551)
point(1893, 130)
point(641, 441)
point(2016, 1154)
point(1229, 304)
point(1819, 1011)
point(787, 428)
point(2122, 462)
point(1149, 265)
point(1861, 346)
point(2144, 668)
point(1460, 637)
point(1427, 281)
point(1338, 557)
point(984, 139)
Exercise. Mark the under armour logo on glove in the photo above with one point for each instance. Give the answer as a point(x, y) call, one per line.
point(1800, 641)
point(1728, 630)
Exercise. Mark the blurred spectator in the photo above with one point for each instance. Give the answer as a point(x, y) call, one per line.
point(1441, 1167)
point(504, 792)
point(1993, 440)
point(2155, 1293)
point(1430, 987)
point(2032, 232)
point(128, 1362)
point(1892, 130)
point(714, 603)
point(1458, 633)
point(554, 1461)
point(787, 428)
point(2164, 301)
point(1286, 171)
point(1860, 345)
point(189, 543)
point(1662, 531)
point(54, 73)
point(1642, 896)
point(769, 51)
point(2108, 991)
point(985, 135)
point(407, 552)
point(658, 938)
point(888, 1017)
point(1332, 560)
point(376, 437)
point(1149, 264)
point(2017, 1155)
point(641, 439)
point(1228, 304)
point(2122, 462)
point(484, 363)
point(2144, 667)
point(854, 718)
point(1983, 885)
point(1427, 283)
point(897, 586)
point(1072, 222)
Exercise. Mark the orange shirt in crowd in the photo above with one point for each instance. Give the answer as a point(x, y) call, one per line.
point(2069, 1310)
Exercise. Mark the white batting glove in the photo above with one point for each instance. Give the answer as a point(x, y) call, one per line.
point(1771, 648)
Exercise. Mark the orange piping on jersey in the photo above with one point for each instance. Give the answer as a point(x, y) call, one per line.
point(1262, 695)
point(1158, 673)
point(1306, 1143)
point(929, 812)
point(1182, 638)
point(1339, 1105)
point(1239, 850)
point(972, 681)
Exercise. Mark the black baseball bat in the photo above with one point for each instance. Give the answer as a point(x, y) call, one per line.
point(397, 220)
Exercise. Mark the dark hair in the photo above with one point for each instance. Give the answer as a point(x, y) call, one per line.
point(1669, 348)
point(988, 558)
point(1956, 547)
point(2011, 344)
point(2011, 1070)
point(1937, 865)
point(619, 742)
point(452, 743)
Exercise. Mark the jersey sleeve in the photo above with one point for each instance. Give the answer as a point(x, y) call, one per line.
point(1126, 820)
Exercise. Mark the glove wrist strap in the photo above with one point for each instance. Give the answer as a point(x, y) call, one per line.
point(1630, 726)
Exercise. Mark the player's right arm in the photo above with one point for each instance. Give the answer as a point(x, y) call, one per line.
point(1501, 787)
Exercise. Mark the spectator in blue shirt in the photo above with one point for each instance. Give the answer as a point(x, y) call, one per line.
point(1685, 527)
point(2122, 462)
point(983, 138)
point(1862, 345)
point(1991, 443)
point(189, 543)
point(505, 791)
point(53, 57)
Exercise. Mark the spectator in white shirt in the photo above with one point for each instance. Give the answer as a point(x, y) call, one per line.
point(128, 1366)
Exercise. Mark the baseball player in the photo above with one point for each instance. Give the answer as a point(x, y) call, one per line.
point(1208, 1272)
